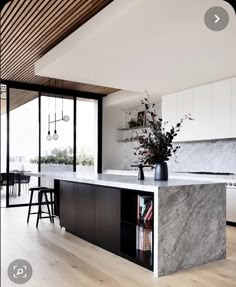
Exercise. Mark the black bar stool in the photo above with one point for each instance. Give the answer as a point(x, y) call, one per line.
point(42, 192)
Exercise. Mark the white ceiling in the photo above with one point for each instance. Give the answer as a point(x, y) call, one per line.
point(159, 45)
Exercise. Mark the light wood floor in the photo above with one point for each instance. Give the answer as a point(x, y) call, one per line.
point(63, 260)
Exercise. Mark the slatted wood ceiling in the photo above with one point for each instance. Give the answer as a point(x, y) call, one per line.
point(30, 28)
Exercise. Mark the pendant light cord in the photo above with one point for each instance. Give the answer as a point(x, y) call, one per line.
point(62, 102)
point(49, 108)
point(55, 114)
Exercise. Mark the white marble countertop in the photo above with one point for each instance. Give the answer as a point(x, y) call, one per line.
point(117, 181)
point(177, 175)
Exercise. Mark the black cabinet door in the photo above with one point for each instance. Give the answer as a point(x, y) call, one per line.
point(67, 206)
point(108, 218)
point(85, 212)
point(92, 213)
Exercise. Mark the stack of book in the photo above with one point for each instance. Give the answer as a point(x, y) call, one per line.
point(145, 208)
point(144, 226)
point(144, 236)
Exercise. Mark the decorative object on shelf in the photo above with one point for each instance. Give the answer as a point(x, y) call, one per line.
point(64, 118)
point(132, 123)
point(141, 119)
point(156, 144)
point(141, 172)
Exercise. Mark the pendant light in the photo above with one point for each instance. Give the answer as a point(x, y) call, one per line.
point(49, 137)
point(65, 118)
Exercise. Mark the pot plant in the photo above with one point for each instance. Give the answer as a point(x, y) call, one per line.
point(156, 142)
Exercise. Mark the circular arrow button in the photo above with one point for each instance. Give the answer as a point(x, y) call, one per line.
point(216, 18)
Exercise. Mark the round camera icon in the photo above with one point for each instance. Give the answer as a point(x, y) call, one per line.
point(20, 271)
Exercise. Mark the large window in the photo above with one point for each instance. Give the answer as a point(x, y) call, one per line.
point(3, 132)
point(86, 143)
point(56, 134)
point(24, 142)
point(3, 142)
point(47, 132)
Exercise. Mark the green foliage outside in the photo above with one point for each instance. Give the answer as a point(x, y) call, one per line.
point(65, 156)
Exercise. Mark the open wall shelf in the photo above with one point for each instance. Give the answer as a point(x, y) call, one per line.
point(131, 137)
point(127, 141)
point(134, 128)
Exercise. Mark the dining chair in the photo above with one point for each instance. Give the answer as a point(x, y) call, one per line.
point(8, 180)
point(25, 180)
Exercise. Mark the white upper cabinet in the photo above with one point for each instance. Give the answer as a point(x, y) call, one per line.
point(185, 107)
point(221, 99)
point(202, 113)
point(234, 107)
point(212, 106)
point(169, 111)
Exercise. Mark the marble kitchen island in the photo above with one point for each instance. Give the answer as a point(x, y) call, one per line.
point(188, 227)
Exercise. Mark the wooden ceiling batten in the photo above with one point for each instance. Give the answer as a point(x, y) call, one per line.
point(25, 18)
point(37, 43)
point(5, 8)
point(84, 18)
point(40, 45)
point(26, 35)
point(13, 14)
point(11, 6)
point(8, 33)
point(19, 98)
point(30, 28)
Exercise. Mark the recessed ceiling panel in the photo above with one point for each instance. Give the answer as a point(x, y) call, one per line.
point(159, 45)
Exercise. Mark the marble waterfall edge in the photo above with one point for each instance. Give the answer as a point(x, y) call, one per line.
point(191, 226)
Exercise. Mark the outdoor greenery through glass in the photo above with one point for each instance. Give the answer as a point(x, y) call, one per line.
point(65, 156)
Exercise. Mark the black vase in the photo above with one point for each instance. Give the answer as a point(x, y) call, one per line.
point(161, 171)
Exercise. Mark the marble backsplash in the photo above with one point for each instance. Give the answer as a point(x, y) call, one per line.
point(208, 156)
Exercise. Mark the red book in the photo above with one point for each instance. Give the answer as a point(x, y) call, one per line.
point(149, 212)
point(150, 216)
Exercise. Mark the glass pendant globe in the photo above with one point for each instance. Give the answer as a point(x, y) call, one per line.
point(55, 137)
point(48, 137)
point(66, 118)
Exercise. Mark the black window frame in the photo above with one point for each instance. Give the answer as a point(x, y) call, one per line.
point(59, 91)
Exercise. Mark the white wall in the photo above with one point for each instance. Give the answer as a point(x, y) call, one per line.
point(116, 107)
point(113, 152)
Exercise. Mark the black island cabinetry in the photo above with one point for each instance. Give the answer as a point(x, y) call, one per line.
point(104, 216)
